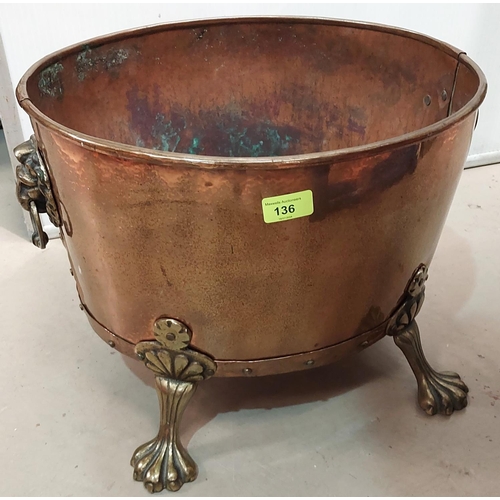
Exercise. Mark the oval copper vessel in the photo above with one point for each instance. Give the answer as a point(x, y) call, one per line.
point(161, 144)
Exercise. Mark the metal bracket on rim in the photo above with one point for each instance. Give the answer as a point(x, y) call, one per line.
point(34, 191)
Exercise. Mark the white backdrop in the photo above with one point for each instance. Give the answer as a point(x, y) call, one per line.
point(29, 32)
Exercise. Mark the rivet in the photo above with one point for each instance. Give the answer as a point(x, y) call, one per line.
point(140, 355)
point(111, 343)
point(309, 362)
point(444, 95)
point(81, 307)
point(366, 343)
point(427, 100)
point(247, 371)
point(209, 373)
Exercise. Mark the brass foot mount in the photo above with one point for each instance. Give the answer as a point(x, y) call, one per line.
point(163, 463)
point(438, 392)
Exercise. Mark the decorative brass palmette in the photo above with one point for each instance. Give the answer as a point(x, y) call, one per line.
point(163, 462)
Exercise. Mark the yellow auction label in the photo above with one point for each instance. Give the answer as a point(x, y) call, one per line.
point(287, 206)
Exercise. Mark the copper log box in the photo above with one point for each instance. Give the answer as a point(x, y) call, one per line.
point(250, 196)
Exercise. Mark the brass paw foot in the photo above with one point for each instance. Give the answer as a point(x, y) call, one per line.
point(438, 392)
point(163, 463)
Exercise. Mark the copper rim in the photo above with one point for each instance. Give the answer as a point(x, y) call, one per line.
point(217, 162)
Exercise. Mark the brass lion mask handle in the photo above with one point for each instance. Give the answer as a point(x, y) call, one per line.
point(34, 191)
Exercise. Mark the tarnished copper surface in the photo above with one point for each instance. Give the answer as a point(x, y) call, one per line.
point(302, 361)
point(163, 142)
point(268, 366)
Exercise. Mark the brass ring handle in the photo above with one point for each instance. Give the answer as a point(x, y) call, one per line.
point(34, 191)
point(39, 237)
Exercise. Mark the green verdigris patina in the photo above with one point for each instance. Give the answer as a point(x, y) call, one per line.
point(195, 148)
point(228, 131)
point(166, 133)
point(94, 60)
point(89, 60)
point(262, 139)
point(50, 82)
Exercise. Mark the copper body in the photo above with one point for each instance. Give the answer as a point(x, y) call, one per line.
point(162, 142)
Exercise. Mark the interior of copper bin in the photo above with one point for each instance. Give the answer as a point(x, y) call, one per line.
point(252, 89)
